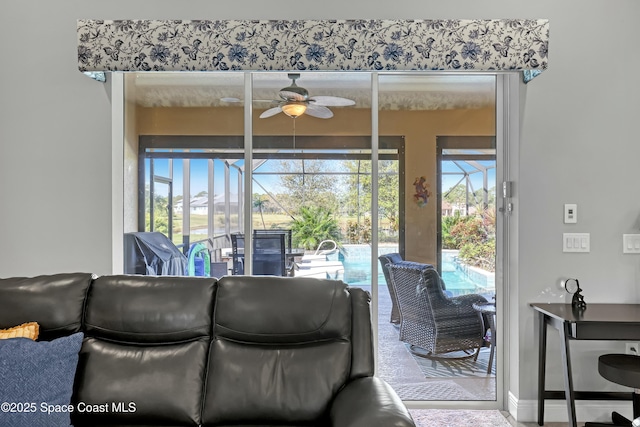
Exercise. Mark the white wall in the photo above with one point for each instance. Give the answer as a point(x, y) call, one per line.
point(579, 143)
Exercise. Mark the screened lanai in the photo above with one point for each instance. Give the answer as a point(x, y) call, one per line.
point(283, 179)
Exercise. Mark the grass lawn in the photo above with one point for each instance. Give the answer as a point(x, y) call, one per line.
point(271, 220)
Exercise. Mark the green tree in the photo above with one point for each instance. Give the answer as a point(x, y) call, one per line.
point(469, 230)
point(481, 255)
point(448, 222)
point(359, 189)
point(457, 196)
point(359, 232)
point(474, 236)
point(259, 202)
point(160, 214)
point(313, 225)
point(307, 184)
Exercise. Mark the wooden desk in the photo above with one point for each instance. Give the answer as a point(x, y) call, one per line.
point(617, 322)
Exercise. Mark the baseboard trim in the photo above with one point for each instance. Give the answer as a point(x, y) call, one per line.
point(556, 410)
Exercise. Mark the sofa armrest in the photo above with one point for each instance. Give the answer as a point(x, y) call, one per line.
point(369, 402)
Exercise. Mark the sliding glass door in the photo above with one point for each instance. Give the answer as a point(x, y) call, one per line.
point(362, 167)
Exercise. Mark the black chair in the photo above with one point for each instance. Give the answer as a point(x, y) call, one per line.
point(269, 254)
point(237, 253)
point(288, 237)
point(623, 369)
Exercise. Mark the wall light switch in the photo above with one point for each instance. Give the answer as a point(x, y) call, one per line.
point(570, 213)
point(576, 242)
point(631, 243)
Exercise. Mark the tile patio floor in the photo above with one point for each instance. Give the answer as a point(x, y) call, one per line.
point(398, 367)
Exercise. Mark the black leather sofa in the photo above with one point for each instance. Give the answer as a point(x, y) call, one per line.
point(238, 351)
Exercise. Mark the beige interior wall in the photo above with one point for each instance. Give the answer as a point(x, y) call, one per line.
point(420, 129)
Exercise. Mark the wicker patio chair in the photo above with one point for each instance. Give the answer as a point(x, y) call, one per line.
point(385, 260)
point(430, 320)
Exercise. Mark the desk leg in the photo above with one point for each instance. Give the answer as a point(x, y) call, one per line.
point(542, 362)
point(568, 381)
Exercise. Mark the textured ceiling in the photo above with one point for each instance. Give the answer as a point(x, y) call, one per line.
point(396, 91)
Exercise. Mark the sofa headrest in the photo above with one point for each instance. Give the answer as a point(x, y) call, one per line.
point(54, 301)
point(150, 309)
point(258, 309)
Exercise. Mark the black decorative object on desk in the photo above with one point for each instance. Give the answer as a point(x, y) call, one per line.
point(572, 286)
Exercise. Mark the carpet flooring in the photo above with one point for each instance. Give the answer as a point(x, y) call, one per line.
point(458, 418)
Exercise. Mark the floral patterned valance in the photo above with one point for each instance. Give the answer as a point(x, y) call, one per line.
point(369, 45)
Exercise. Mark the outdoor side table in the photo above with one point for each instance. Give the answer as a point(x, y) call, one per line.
point(487, 312)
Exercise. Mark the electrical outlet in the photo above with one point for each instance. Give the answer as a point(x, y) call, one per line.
point(632, 348)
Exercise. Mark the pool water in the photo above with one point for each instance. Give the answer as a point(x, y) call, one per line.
point(357, 271)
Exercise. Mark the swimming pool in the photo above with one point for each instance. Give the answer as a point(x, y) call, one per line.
point(357, 271)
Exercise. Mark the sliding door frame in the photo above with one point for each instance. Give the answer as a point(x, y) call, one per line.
point(507, 139)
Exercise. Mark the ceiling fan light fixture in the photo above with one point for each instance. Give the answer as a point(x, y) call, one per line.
point(294, 109)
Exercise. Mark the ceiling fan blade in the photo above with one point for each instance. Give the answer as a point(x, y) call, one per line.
point(271, 112)
point(332, 101)
point(230, 99)
point(319, 111)
point(291, 96)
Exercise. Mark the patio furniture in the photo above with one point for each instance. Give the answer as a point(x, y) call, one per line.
point(152, 254)
point(385, 260)
point(269, 254)
point(287, 233)
point(487, 313)
point(237, 253)
point(431, 320)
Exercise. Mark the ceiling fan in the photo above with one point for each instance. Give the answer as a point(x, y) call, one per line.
point(295, 101)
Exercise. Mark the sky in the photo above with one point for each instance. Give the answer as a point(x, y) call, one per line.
point(199, 173)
